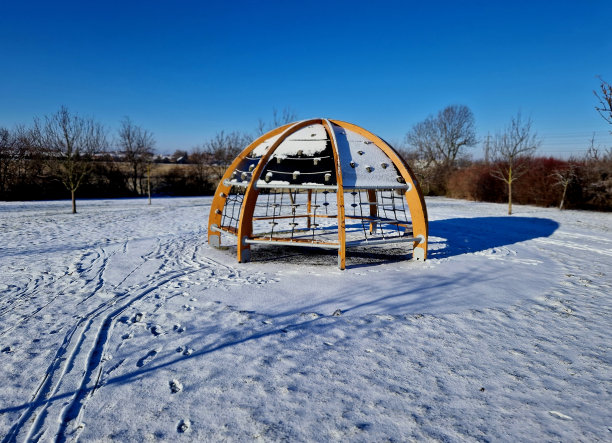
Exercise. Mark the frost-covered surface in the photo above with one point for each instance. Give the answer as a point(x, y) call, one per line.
point(363, 164)
point(120, 323)
point(310, 140)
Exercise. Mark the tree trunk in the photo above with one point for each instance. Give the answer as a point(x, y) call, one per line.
point(509, 198)
point(135, 179)
point(149, 182)
point(563, 197)
point(72, 192)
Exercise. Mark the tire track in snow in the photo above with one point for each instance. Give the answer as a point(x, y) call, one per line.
point(77, 366)
point(74, 410)
point(101, 254)
point(574, 245)
point(24, 295)
point(64, 359)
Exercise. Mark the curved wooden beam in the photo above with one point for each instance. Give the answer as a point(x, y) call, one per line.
point(219, 199)
point(414, 195)
point(245, 224)
point(339, 196)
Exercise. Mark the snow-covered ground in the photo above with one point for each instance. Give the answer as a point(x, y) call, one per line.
point(121, 323)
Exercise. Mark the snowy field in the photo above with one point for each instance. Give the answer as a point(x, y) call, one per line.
point(121, 323)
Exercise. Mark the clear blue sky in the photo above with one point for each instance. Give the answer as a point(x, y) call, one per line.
point(188, 69)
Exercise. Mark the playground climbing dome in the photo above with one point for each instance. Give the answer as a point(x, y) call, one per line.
point(319, 183)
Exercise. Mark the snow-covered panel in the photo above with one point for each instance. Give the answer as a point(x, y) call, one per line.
point(312, 132)
point(310, 140)
point(263, 147)
point(363, 164)
point(295, 148)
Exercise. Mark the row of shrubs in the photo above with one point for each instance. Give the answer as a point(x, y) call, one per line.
point(110, 180)
point(590, 186)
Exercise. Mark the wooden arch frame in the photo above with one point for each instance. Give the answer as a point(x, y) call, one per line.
point(413, 195)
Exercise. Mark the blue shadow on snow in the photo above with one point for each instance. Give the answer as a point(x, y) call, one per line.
point(469, 235)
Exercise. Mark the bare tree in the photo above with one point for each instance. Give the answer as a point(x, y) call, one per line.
point(605, 100)
point(137, 145)
point(69, 143)
point(564, 177)
point(224, 148)
point(202, 169)
point(287, 115)
point(440, 140)
point(8, 158)
point(18, 159)
point(596, 176)
point(512, 152)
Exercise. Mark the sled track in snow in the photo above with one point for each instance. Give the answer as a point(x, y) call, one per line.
point(74, 374)
point(35, 286)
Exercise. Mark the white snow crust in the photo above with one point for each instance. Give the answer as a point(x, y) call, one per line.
point(120, 323)
point(361, 162)
point(310, 140)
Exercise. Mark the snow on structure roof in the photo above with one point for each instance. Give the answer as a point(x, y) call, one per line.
point(310, 140)
point(363, 164)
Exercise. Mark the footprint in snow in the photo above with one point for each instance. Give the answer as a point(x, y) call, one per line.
point(183, 425)
point(176, 386)
point(156, 330)
point(147, 358)
point(185, 350)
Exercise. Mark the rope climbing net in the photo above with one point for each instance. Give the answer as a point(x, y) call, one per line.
point(309, 217)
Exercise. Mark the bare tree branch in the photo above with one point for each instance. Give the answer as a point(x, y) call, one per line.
point(605, 100)
point(287, 115)
point(512, 152)
point(442, 139)
point(137, 145)
point(69, 143)
point(564, 177)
